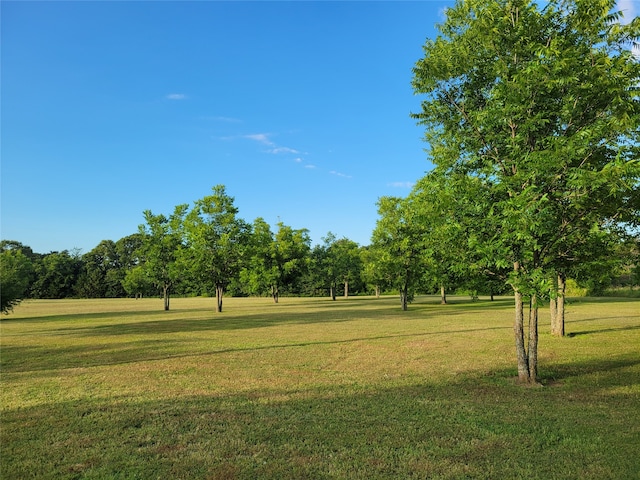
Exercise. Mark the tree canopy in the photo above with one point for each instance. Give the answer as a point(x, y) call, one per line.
point(541, 105)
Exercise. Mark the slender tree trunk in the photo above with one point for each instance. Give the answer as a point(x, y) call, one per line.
point(518, 330)
point(274, 293)
point(165, 295)
point(377, 291)
point(219, 292)
point(346, 289)
point(332, 292)
point(443, 295)
point(533, 339)
point(553, 306)
point(403, 296)
point(557, 306)
point(562, 288)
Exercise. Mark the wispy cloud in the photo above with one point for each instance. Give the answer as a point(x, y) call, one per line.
point(338, 174)
point(176, 96)
point(310, 166)
point(401, 184)
point(262, 138)
point(278, 150)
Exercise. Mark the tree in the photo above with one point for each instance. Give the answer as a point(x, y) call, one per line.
point(345, 255)
point(541, 105)
point(398, 240)
point(372, 269)
point(56, 275)
point(100, 272)
point(16, 270)
point(275, 261)
point(162, 246)
point(291, 249)
point(217, 240)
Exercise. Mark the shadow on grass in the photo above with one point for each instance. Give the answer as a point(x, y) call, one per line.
point(466, 428)
point(604, 330)
point(52, 359)
point(614, 370)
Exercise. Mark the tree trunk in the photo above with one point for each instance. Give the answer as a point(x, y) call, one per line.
point(557, 305)
point(219, 292)
point(165, 295)
point(533, 339)
point(553, 313)
point(403, 296)
point(346, 289)
point(274, 293)
point(332, 292)
point(518, 330)
point(562, 288)
point(443, 295)
point(377, 291)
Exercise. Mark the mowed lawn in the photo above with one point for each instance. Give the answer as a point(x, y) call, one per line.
point(311, 388)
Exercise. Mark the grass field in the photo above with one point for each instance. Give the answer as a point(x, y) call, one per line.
point(310, 388)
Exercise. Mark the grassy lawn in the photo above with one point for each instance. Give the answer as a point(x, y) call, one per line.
point(311, 388)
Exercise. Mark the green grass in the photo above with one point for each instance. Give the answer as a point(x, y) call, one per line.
point(310, 388)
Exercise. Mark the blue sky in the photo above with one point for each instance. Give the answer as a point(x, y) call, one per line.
point(301, 109)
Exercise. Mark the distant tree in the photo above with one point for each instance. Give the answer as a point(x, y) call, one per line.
point(102, 272)
point(137, 282)
point(397, 239)
point(373, 274)
point(275, 260)
point(541, 105)
point(162, 243)
point(218, 241)
point(347, 262)
point(16, 271)
point(56, 274)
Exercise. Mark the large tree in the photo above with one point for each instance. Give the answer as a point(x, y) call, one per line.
point(540, 104)
point(218, 241)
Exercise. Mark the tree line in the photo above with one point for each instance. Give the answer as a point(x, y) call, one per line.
point(425, 243)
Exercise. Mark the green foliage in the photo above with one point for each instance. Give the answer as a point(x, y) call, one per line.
point(16, 270)
point(541, 106)
point(162, 242)
point(217, 242)
point(56, 275)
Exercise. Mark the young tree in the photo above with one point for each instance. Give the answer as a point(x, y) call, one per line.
point(291, 250)
point(217, 241)
point(541, 105)
point(345, 256)
point(373, 274)
point(161, 250)
point(399, 242)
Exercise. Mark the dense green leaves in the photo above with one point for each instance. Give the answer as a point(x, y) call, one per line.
point(217, 240)
point(541, 106)
point(16, 270)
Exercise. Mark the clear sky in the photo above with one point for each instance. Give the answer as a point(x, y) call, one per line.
point(301, 109)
